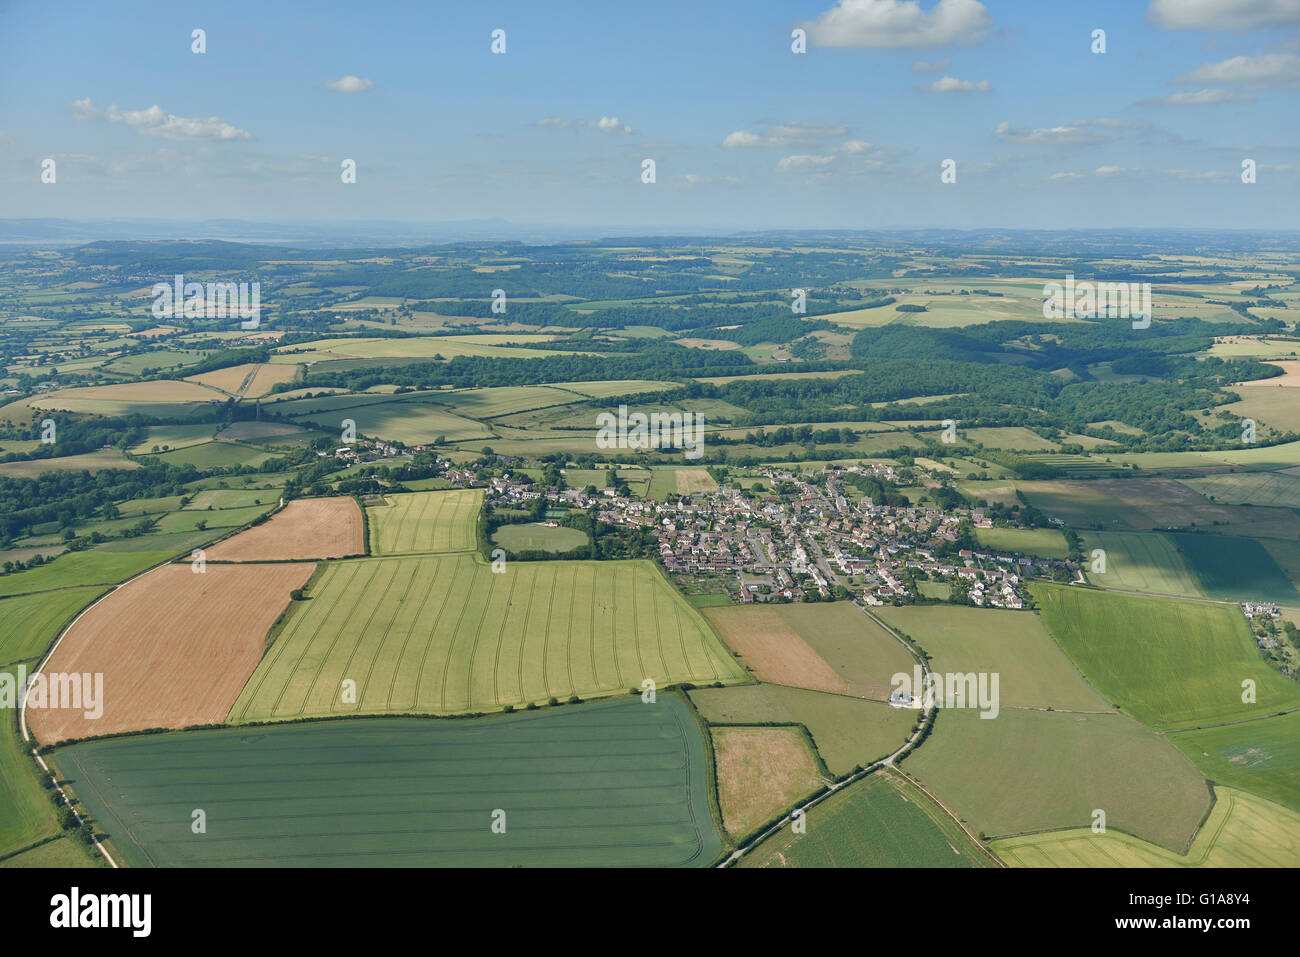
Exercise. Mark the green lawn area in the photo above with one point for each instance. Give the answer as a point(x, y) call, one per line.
point(1047, 542)
point(1170, 663)
point(880, 821)
point(535, 536)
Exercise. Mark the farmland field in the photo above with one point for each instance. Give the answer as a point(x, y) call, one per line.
point(90, 461)
point(1034, 672)
point(535, 536)
point(1262, 756)
point(880, 821)
point(96, 566)
point(422, 522)
point(305, 528)
point(28, 624)
point(174, 647)
point(761, 773)
point(445, 635)
point(1254, 488)
point(847, 732)
point(1236, 569)
point(1064, 765)
point(1241, 831)
point(679, 481)
point(1047, 542)
point(26, 814)
point(1170, 663)
point(1139, 561)
point(613, 783)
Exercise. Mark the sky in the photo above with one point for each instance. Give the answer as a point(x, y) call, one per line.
point(1043, 129)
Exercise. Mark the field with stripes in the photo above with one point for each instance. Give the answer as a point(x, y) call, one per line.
point(443, 634)
point(616, 783)
point(424, 522)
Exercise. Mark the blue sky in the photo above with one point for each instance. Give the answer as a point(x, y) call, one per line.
point(745, 134)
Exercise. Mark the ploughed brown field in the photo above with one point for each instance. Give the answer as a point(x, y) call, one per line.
point(305, 528)
point(773, 650)
point(174, 647)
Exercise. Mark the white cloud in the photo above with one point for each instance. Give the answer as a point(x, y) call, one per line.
point(950, 84)
point(1206, 97)
point(1268, 70)
point(155, 121)
point(610, 125)
point(935, 66)
point(1048, 136)
point(790, 164)
point(1109, 170)
point(892, 24)
point(785, 135)
point(855, 146)
point(1064, 176)
point(1222, 14)
point(351, 84)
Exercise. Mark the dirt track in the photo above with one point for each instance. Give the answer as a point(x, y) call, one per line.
point(175, 647)
point(303, 529)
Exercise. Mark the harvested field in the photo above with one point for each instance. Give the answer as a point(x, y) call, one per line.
point(174, 647)
point(761, 773)
point(305, 528)
point(772, 650)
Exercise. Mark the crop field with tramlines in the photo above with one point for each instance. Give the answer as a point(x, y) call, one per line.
point(446, 635)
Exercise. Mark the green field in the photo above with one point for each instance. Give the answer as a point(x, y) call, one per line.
point(424, 522)
point(96, 566)
point(1249, 488)
point(534, 536)
point(90, 461)
point(1262, 756)
point(1236, 569)
point(1139, 561)
point(446, 635)
point(1169, 663)
point(1241, 831)
point(28, 624)
point(612, 783)
point(1033, 770)
point(1033, 671)
point(880, 821)
point(62, 852)
point(847, 732)
point(1047, 542)
point(26, 813)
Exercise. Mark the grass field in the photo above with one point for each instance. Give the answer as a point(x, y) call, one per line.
point(1241, 831)
point(538, 537)
point(28, 624)
point(1033, 671)
point(667, 480)
point(831, 647)
point(424, 522)
point(880, 821)
point(1262, 756)
point(761, 772)
point(26, 814)
point(1249, 488)
point(95, 566)
point(1047, 542)
point(1236, 569)
point(1032, 770)
point(91, 462)
point(445, 635)
point(613, 783)
point(1169, 663)
point(1139, 561)
point(163, 437)
point(63, 852)
point(847, 732)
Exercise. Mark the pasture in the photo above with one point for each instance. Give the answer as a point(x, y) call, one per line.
point(1262, 756)
point(606, 784)
point(91, 462)
point(1046, 542)
point(1063, 765)
point(880, 821)
point(424, 522)
point(1249, 488)
point(535, 536)
point(761, 773)
point(1139, 561)
point(445, 635)
point(1236, 569)
point(94, 566)
point(1170, 663)
point(1241, 831)
point(28, 624)
point(1033, 670)
point(847, 732)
